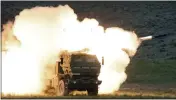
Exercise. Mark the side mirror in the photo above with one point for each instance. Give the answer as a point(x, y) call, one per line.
point(102, 60)
point(60, 70)
point(62, 60)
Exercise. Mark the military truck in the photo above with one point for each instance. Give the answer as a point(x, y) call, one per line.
point(76, 71)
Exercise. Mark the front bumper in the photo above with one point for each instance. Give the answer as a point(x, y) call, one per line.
point(74, 84)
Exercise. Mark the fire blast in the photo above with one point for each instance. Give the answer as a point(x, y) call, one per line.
point(32, 43)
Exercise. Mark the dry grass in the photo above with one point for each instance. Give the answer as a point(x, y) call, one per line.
point(119, 94)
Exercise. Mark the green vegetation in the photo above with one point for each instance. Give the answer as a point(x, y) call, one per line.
point(152, 71)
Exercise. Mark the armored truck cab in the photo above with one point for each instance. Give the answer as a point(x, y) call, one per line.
point(76, 71)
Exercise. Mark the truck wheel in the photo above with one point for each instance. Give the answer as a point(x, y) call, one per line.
point(93, 91)
point(62, 88)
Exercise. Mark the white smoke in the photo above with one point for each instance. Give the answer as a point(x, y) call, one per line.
point(44, 31)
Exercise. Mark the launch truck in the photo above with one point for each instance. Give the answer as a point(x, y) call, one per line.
point(76, 71)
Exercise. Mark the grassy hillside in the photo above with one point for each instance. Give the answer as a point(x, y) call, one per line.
point(152, 71)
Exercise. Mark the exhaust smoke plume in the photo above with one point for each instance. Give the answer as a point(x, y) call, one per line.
point(32, 44)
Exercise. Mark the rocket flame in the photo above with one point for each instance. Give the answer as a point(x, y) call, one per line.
point(43, 32)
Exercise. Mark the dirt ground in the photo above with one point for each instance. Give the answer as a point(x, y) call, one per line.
point(168, 89)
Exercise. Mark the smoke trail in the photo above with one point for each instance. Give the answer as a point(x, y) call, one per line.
point(44, 31)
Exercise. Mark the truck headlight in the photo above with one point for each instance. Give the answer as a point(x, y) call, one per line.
point(74, 82)
point(76, 73)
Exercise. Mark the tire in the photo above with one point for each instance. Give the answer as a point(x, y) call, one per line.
point(62, 89)
point(93, 91)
